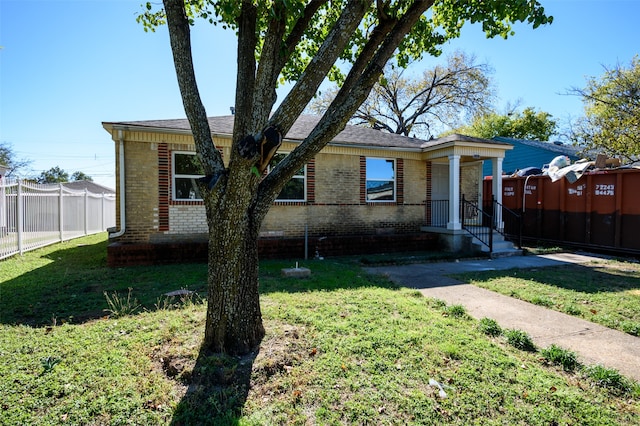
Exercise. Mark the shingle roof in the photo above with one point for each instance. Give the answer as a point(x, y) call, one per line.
point(563, 149)
point(81, 185)
point(351, 135)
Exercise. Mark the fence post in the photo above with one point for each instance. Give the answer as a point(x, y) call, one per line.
point(20, 218)
point(86, 212)
point(104, 225)
point(60, 212)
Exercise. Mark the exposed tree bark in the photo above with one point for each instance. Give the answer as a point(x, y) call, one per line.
point(236, 199)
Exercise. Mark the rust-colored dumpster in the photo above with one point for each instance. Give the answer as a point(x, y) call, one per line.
point(599, 210)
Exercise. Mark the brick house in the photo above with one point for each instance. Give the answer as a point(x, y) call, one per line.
point(366, 191)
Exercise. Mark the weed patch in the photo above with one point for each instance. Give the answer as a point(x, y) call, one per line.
point(565, 358)
point(520, 340)
point(490, 327)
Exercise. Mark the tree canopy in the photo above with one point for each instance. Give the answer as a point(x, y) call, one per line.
point(611, 121)
point(441, 97)
point(58, 175)
point(527, 124)
point(304, 42)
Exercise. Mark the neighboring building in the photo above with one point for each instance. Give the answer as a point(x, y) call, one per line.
point(82, 185)
point(530, 153)
point(366, 191)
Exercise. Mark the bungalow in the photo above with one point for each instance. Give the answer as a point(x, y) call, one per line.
point(366, 191)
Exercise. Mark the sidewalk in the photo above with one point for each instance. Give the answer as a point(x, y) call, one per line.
point(593, 343)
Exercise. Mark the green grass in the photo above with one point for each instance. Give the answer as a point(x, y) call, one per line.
point(605, 292)
point(342, 347)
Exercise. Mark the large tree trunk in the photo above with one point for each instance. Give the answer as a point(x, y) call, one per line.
point(234, 321)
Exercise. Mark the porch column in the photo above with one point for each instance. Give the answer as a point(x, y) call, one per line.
point(454, 193)
point(496, 187)
point(496, 184)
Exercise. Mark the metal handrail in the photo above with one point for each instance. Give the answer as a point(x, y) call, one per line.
point(474, 220)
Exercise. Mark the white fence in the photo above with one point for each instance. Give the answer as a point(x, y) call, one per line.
point(33, 215)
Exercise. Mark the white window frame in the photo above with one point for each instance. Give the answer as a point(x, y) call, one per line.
point(393, 179)
point(175, 176)
point(303, 176)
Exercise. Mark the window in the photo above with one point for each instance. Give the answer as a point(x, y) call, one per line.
point(186, 170)
point(381, 181)
point(296, 188)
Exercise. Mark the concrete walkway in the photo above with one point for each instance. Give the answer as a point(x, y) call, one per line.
point(593, 343)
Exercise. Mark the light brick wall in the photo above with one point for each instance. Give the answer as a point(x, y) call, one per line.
point(335, 205)
point(141, 202)
point(470, 180)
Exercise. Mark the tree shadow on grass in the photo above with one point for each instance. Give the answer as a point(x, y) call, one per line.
point(217, 390)
point(71, 282)
point(580, 278)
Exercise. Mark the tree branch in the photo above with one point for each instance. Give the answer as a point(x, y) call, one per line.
point(317, 70)
point(354, 91)
point(179, 35)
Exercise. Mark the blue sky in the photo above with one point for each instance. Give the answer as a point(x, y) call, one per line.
point(67, 66)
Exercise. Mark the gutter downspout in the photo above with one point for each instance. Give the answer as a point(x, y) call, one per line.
point(123, 222)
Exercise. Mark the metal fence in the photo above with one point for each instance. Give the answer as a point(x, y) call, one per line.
point(33, 215)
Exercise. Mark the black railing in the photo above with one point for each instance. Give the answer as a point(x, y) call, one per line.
point(510, 224)
point(477, 222)
point(437, 213)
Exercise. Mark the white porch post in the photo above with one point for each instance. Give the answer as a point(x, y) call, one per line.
point(496, 187)
point(454, 193)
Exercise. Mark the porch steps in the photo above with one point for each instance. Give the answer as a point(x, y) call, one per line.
point(501, 247)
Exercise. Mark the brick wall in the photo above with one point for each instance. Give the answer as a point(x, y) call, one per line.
point(120, 254)
point(336, 203)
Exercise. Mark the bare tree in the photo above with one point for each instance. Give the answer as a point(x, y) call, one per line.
point(441, 97)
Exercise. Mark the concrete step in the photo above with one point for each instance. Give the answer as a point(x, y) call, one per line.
point(501, 247)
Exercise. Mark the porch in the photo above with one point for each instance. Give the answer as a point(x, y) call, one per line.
point(456, 208)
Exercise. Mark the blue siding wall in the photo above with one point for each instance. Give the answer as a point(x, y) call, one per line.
point(527, 153)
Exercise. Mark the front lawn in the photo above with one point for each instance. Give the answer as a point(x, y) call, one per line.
point(605, 292)
point(342, 347)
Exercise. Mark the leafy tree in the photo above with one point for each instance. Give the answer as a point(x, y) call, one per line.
point(298, 41)
point(81, 176)
point(611, 123)
point(442, 96)
point(53, 175)
point(8, 159)
point(526, 125)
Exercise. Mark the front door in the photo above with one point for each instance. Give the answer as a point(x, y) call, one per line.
point(439, 194)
